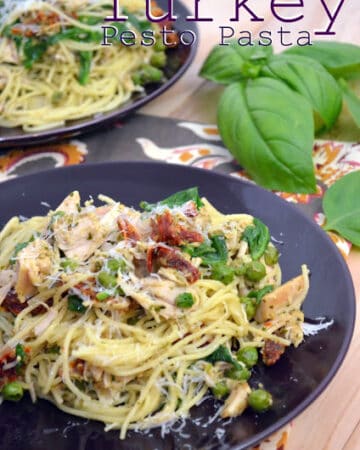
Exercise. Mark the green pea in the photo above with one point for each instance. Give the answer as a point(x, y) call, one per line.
point(241, 270)
point(158, 59)
point(107, 280)
point(255, 271)
point(242, 374)
point(137, 78)
point(148, 74)
point(102, 296)
point(114, 265)
point(271, 255)
point(12, 391)
point(220, 390)
point(185, 300)
point(260, 400)
point(69, 265)
point(248, 355)
point(250, 307)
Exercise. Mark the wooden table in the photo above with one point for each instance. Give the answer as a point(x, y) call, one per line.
point(333, 421)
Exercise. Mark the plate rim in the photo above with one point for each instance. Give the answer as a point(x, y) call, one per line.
point(94, 122)
point(258, 437)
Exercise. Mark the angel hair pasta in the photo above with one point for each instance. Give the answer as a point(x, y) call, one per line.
point(53, 67)
point(131, 317)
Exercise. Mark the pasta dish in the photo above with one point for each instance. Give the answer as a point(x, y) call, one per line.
point(133, 317)
point(54, 68)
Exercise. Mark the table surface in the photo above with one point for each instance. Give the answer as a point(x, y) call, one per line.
point(333, 421)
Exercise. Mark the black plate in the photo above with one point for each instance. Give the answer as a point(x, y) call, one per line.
point(295, 382)
point(179, 61)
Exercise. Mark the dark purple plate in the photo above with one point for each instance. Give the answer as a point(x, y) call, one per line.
point(179, 61)
point(295, 381)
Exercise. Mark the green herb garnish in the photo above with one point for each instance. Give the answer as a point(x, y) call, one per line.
point(185, 300)
point(177, 199)
point(257, 236)
point(75, 304)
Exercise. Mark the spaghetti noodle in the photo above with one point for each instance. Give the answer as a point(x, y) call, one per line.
point(130, 317)
point(53, 67)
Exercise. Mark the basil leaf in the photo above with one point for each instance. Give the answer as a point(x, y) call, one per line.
point(177, 199)
point(340, 59)
point(222, 354)
point(258, 237)
point(342, 207)
point(228, 64)
point(311, 80)
point(351, 100)
point(270, 131)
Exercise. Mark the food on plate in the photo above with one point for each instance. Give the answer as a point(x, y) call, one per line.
point(132, 317)
point(54, 68)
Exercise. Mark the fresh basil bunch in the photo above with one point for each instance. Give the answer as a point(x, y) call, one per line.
point(273, 105)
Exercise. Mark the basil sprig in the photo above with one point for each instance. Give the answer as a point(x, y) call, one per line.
point(266, 114)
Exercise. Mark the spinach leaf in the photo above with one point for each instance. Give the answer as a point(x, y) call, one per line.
point(75, 304)
point(227, 64)
point(259, 295)
point(222, 354)
point(340, 59)
point(85, 67)
point(310, 79)
point(177, 199)
point(270, 131)
point(351, 100)
point(219, 254)
point(76, 34)
point(198, 252)
point(213, 252)
point(222, 272)
point(342, 207)
point(258, 237)
point(33, 51)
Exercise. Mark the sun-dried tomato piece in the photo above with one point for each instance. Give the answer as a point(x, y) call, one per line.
point(162, 256)
point(272, 352)
point(12, 304)
point(128, 230)
point(165, 229)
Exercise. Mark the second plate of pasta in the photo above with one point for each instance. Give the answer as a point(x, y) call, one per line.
point(57, 78)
